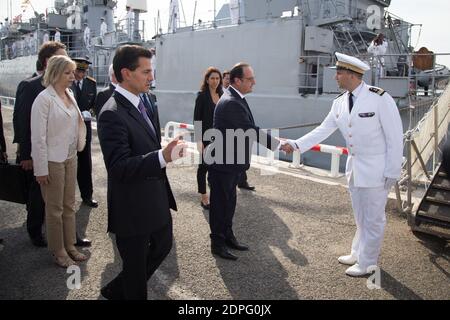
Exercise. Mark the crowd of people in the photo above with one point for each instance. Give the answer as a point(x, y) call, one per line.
point(52, 129)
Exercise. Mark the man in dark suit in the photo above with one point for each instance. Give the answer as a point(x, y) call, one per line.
point(85, 91)
point(232, 114)
point(26, 93)
point(243, 182)
point(3, 154)
point(106, 93)
point(139, 193)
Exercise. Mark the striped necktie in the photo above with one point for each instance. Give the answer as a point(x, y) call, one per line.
point(144, 114)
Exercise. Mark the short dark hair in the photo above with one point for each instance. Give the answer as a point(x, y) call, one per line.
point(48, 49)
point(39, 66)
point(127, 56)
point(238, 71)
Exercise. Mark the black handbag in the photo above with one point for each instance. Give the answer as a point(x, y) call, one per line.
point(13, 183)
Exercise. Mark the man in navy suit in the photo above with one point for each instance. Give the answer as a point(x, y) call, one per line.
point(139, 193)
point(232, 115)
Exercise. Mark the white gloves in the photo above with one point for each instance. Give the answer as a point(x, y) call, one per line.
point(389, 183)
point(86, 115)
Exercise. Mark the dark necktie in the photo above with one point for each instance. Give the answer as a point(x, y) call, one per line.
point(147, 104)
point(144, 114)
point(350, 102)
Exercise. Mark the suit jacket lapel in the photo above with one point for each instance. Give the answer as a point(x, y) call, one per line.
point(58, 100)
point(134, 113)
point(243, 102)
point(248, 110)
point(154, 116)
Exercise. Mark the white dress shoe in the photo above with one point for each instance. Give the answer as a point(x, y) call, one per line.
point(348, 260)
point(356, 271)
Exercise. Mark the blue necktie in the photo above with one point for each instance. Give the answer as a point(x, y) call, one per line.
point(144, 114)
point(147, 104)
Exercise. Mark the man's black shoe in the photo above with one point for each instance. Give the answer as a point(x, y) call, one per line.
point(109, 294)
point(205, 206)
point(223, 253)
point(91, 203)
point(38, 241)
point(234, 244)
point(246, 186)
point(83, 242)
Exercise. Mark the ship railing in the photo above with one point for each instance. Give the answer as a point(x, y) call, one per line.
point(311, 80)
point(422, 145)
point(7, 101)
point(173, 129)
point(427, 82)
point(397, 70)
point(127, 30)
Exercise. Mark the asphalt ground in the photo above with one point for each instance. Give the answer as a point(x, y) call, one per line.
point(296, 227)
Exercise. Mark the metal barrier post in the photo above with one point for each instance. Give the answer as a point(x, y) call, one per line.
point(270, 157)
point(296, 159)
point(335, 165)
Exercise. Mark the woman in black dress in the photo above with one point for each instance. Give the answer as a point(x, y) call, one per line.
point(210, 93)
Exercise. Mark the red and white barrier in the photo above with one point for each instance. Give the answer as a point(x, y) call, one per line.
point(172, 129)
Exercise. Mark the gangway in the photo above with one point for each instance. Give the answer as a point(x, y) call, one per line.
point(433, 213)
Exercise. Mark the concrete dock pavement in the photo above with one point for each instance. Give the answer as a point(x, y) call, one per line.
point(295, 227)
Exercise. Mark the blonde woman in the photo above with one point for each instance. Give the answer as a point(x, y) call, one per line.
point(57, 133)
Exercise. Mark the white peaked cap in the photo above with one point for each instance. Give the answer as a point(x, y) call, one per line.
point(344, 61)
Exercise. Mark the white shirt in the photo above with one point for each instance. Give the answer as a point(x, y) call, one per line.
point(135, 102)
point(356, 92)
point(58, 36)
point(239, 93)
point(79, 83)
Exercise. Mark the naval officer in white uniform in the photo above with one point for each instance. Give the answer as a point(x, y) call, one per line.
point(369, 120)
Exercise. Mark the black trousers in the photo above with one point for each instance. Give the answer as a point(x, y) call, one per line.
point(222, 205)
point(201, 173)
point(201, 178)
point(84, 171)
point(35, 205)
point(141, 256)
point(243, 179)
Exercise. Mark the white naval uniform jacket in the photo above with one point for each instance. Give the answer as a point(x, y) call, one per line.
point(373, 133)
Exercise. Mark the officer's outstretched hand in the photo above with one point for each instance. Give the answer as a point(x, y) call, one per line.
point(287, 146)
point(174, 150)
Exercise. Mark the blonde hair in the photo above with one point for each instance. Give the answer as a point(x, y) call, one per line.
point(56, 66)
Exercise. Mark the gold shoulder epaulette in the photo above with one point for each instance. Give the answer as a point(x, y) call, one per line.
point(376, 90)
point(90, 78)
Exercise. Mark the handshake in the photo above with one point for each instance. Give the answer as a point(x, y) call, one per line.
point(287, 146)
